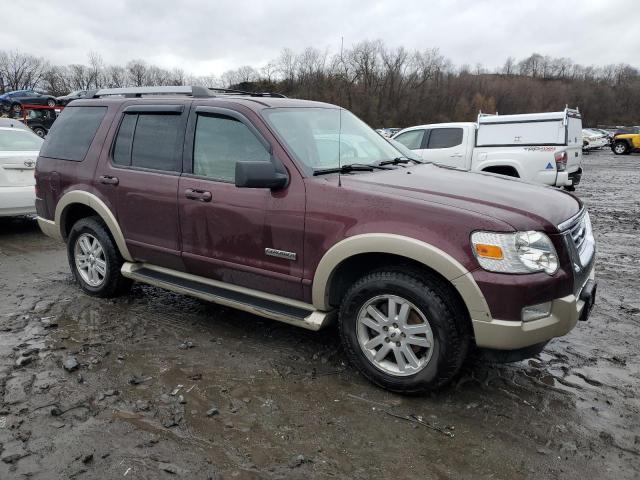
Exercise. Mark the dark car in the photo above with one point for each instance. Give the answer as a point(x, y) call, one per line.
point(40, 120)
point(63, 100)
point(240, 200)
point(13, 101)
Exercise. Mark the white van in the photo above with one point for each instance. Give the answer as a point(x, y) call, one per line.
point(537, 147)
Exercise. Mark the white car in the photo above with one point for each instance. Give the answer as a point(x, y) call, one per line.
point(19, 149)
point(536, 147)
point(592, 139)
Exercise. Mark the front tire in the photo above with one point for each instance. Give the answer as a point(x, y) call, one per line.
point(620, 148)
point(94, 259)
point(404, 332)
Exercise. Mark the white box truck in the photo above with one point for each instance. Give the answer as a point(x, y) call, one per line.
point(536, 147)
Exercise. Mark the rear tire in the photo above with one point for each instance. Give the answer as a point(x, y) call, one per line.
point(95, 260)
point(620, 148)
point(420, 350)
point(41, 132)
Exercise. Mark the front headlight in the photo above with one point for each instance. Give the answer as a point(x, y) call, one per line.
point(519, 252)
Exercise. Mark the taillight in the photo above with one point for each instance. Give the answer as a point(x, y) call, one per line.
point(561, 160)
point(36, 184)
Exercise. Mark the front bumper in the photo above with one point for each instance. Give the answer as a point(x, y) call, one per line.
point(17, 201)
point(512, 335)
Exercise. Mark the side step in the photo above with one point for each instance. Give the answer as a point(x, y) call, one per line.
point(259, 303)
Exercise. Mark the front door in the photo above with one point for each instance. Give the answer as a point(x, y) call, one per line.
point(142, 176)
point(227, 231)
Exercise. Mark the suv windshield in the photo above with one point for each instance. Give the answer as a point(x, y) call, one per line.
point(18, 141)
point(324, 138)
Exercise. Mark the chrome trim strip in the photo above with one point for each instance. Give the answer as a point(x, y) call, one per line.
point(568, 223)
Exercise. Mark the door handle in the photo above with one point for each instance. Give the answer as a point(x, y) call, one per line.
point(109, 180)
point(200, 195)
point(456, 155)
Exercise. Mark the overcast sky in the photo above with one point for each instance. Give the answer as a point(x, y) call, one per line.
point(203, 37)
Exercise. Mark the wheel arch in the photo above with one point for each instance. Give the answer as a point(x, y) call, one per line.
point(502, 169)
point(403, 248)
point(77, 204)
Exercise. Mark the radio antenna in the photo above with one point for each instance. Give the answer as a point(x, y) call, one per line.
point(340, 119)
point(339, 142)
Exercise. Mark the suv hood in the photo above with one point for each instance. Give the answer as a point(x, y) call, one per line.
point(524, 206)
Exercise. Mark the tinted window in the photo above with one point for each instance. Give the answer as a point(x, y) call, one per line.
point(445, 137)
point(219, 143)
point(412, 140)
point(122, 147)
point(155, 142)
point(72, 133)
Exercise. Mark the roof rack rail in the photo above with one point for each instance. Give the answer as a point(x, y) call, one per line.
point(136, 92)
point(244, 92)
point(190, 91)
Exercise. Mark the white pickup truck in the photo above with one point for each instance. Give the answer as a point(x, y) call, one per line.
point(537, 147)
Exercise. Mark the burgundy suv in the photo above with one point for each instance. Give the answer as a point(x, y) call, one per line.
point(299, 212)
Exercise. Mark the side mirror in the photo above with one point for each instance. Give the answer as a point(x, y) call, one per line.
point(250, 174)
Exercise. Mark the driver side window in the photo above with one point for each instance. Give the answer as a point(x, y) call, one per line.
point(220, 142)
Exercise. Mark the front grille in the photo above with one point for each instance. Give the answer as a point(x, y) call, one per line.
point(578, 233)
point(581, 245)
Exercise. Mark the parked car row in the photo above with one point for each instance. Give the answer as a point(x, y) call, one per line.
point(12, 102)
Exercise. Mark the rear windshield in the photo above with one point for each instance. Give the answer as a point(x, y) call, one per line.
point(19, 141)
point(72, 133)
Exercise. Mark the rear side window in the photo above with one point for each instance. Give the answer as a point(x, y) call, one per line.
point(219, 143)
point(122, 148)
point(149, 141)
point(445, 137)
point(72, 133)
point(412, 140)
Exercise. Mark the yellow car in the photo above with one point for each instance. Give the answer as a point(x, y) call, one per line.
point(625, 143)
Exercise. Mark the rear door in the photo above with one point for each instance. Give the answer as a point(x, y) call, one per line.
point(141, 175)
point(446, 146)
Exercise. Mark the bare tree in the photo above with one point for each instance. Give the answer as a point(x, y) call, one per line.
point(21, 71)
point(137, 73)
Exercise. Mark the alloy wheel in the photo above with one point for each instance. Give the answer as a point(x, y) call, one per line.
point(619, 148)
point(90, 260)
point(395, 335)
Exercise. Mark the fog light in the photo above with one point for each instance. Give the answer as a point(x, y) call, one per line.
point(536, 312)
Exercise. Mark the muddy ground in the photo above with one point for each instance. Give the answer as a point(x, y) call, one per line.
point(157, 385)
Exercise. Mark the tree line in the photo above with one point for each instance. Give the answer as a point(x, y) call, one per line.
point(390, 87)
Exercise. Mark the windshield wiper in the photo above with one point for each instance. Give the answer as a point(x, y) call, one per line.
point(399, 160)
point(350, 167)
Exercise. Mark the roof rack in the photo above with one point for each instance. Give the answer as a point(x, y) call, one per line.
point(190, 91)
point(244, 92)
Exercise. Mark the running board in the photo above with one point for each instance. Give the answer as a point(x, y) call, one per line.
point(263, 304)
